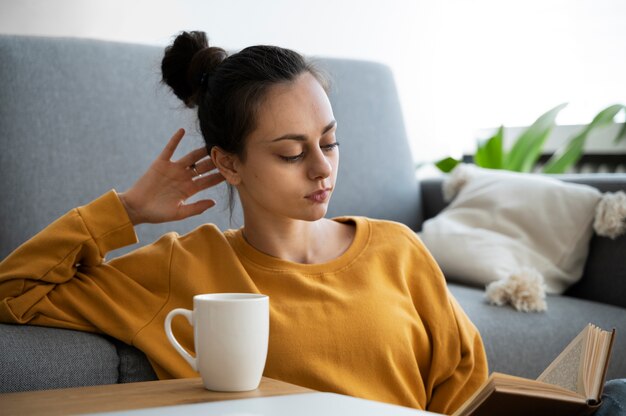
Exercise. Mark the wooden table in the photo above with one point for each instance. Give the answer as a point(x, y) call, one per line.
point(127, 396)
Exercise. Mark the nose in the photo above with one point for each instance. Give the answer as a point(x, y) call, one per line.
point(319, 165)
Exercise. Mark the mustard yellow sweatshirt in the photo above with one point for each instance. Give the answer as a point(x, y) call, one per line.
point(378, 322)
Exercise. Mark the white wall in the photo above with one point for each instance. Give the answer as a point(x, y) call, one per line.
point(460, 65)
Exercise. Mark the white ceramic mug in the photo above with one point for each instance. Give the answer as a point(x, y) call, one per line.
point(231, 333)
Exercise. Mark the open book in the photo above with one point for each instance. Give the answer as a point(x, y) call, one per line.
point(571, 385)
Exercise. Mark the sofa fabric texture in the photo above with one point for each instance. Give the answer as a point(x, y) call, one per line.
point(54, 358)
point(82, 116)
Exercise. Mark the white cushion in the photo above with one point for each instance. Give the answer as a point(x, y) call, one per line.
point(503, 222)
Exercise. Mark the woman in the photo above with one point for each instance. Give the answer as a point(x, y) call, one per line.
point(358, 306)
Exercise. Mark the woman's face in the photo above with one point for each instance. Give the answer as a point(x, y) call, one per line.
point(292, 157)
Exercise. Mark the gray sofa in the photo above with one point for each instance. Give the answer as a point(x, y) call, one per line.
point(78, 117)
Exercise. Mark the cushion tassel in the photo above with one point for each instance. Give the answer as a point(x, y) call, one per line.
point(610, 217)
point(525, 291)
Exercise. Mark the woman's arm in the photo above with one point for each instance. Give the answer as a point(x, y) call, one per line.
point(469, 370)
point(458, 364)
point(59, 277)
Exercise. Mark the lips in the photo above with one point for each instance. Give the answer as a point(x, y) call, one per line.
point(319, 196)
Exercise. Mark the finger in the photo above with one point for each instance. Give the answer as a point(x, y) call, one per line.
point(204, 166)
point(170, 147)
point(195, 208)
point(208, 181)
point(192, 157)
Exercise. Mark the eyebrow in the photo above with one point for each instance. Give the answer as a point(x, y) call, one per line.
point(302, 137)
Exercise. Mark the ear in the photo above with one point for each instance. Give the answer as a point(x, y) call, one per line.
point(227, 164)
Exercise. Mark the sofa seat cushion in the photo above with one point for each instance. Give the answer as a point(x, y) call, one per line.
point(523, 344)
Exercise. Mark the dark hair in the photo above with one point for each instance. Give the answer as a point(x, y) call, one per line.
point(228, 90)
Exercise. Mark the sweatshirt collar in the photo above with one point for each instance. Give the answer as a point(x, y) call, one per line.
point(264, 261)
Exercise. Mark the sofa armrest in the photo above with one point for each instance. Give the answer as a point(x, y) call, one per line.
point(432, 197)
point(38, 358)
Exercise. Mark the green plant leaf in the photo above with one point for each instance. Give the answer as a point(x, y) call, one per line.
point(489, 152)
point(622, 133)
point(570, 153)
point(567, 155)
point(527, 147)
point(446, 165)
point(607, 115)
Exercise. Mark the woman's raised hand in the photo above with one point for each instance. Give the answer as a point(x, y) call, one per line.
point(160, 194)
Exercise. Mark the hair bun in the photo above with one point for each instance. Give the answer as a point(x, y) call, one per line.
point(187, 63)
point(204, 62)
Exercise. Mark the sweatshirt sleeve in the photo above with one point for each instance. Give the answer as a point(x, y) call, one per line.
point(458, 364)
point(59, 277)
point(469, 366)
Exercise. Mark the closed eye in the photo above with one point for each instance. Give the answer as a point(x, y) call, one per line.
point(326, 148)
point(292, 159)
point(330, 147)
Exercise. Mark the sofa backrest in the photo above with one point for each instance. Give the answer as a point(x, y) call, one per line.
point(79, 117)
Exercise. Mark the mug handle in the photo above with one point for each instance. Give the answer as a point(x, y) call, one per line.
point(168, 331)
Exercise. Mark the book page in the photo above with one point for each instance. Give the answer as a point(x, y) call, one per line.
point(565, 370)
point(533, 388)
point(598, 367)
point(581, 367)
point(558, 390)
